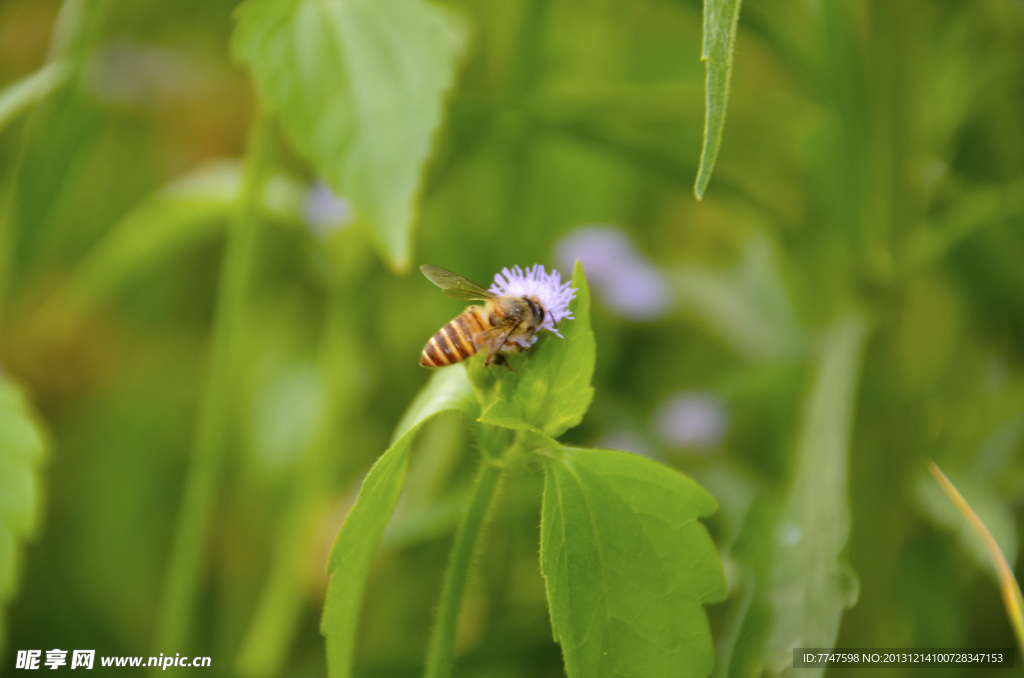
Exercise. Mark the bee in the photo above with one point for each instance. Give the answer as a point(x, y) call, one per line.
point(498, 324)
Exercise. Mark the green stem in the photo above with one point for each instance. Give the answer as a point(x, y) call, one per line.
point(442, 645)
point(211, 438)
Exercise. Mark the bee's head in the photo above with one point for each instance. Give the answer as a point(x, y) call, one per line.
point(526, 311)
point(535, 315)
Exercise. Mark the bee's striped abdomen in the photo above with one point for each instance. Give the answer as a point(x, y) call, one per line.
point(453, 343)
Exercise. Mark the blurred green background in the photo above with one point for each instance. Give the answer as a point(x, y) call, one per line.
point(872, 164)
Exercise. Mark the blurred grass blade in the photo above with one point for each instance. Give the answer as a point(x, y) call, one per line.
point(720, 21)
point(213, 430)
point(188, 211)
point(810, 586)
point(21, 95)
point(278, 612)
point(16, 99)
point(1012, 598)
point(77, 28)
point(349, 563)
point(359, 88)
point(987, 502)
point(22, 451)
point(748, 306)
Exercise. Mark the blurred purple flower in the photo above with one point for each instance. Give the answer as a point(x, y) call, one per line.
point(130, 73)
point(691, 420)
point(325, 212)
point(622, 277)
point(619, 439)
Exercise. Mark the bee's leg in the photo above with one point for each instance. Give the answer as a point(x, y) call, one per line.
point(500, 359)
point(493, 339)
point(514, 346)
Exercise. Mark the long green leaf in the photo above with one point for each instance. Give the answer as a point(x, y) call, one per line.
point(720, 21)
point(359, 87)
point(810, 585)
point(627, 565)
point(349, 564)
point(549, 391)
point(22, 451)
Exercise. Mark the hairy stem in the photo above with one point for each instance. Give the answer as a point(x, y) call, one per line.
point(442, 645)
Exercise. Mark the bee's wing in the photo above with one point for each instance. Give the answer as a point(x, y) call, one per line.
point(454, 285)
point(494, 338)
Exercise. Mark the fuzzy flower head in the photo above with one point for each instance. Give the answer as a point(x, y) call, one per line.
point(550, 292)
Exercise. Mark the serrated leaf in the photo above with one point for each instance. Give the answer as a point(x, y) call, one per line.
point(549, 391)
point(627, 565)
point(810, 585)
point(359, 88)
point(721, 18)
point(499, 413)
point(22, 450)
point(352, 554)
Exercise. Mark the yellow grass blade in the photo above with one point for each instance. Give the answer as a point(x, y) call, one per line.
point(1007, 582)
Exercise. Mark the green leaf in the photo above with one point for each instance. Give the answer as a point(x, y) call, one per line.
point(627, 565)
point(359, 88)
point(349, 564)
point(22, 451)
point(809, 585)
point(549, 391)
point(720, 21)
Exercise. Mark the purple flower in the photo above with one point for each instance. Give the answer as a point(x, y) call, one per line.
point(325, 211)
point(622, 277)
point(693, 420)
point(547, 288)
point(625, 441)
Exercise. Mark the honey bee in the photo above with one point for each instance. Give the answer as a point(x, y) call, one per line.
point(498, 324)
